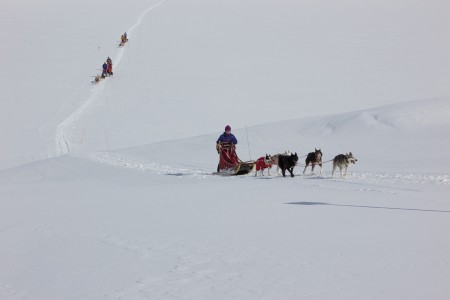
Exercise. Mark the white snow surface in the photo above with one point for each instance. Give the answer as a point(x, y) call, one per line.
point(107, 192)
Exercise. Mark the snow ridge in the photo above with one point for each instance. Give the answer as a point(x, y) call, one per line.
point(62, 141)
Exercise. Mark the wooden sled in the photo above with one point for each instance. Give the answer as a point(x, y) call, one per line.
point(230, 164)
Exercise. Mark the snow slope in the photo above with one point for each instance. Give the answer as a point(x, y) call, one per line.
point(133, 211)
point(266, 61)
point(153, 223)
point(252, 62)
point(408, 137)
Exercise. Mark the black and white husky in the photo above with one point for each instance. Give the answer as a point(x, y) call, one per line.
point(342, 161)
point(313, 158)
point(276, 157)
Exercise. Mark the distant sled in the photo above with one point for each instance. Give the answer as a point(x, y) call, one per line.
point(123, 42)
point(230, 164)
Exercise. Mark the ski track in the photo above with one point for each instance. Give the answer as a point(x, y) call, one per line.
point(62, 141)
point(139, 165)
point(358, 179)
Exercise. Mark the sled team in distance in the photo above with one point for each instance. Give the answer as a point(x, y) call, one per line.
point(106, 70)
point(107, 65)
point(123, 40)
point(230, 164)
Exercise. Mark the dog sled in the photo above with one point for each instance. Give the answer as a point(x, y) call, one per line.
point(229, 163)
point(123, 41)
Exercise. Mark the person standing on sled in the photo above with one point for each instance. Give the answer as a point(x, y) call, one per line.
point(226, 137)
point(229, 162)
point(109, 68)
point(105, 70)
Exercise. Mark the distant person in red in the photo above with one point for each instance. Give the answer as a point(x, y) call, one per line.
point(109, 66)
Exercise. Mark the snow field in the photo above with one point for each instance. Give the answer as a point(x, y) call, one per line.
point(106, 190)
point(239, 237)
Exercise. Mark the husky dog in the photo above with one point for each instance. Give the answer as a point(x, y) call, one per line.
point(263, 163)
point(276, 157)
point(287, 162)
point(342, 161)
point(313, 158)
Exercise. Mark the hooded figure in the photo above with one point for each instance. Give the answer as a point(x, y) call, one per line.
point(109, 67)
point(105, 69)
point(226, 137)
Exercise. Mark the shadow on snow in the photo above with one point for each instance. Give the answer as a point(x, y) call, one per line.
point(367, 206)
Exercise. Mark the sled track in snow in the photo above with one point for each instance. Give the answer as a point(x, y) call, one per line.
point(126, 162)
point(133, 163)
point(403, 178)
point(62, 141)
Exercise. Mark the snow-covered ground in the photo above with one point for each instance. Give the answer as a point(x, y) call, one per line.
point(106, 190)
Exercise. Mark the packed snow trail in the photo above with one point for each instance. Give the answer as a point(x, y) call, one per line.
point(367, 178)
point(127, 162)
point(62, 142)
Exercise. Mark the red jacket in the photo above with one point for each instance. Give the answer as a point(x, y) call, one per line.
point(261, 164)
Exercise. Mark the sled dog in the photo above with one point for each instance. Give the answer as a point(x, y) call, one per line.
point(262, 163)
point(275, 162)
point(275, 159)
point(313, 158)
point(342, 161)
point(287, 162)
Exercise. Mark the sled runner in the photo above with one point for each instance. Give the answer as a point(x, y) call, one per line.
point(230, 164)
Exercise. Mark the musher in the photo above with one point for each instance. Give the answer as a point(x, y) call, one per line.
point(105, 70)
point(109, 66)
point(226, 137)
